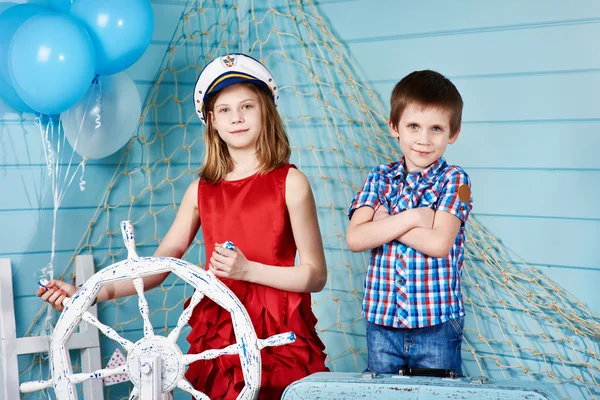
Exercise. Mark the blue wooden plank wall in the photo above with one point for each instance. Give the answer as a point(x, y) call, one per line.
point(529, 77)
point(528, 71)
point(530, 134)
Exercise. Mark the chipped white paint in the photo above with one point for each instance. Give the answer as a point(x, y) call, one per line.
point(172, 362)
point(185, 316)
point(129, 238)
point(86, 339)
point(143, 306)
point(149, 376)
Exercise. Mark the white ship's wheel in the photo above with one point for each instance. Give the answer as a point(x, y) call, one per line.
point(153, 360)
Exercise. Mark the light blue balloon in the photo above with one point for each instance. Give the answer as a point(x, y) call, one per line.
point(105, 119)
point(4, 6)
point(62, 6)
point(51, 61)
point(121, 30)
point(10, 20)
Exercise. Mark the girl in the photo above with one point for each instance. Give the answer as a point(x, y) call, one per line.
point(247, 193)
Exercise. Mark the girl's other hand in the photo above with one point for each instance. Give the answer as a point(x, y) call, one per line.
point(55, 294)
point(231, 264)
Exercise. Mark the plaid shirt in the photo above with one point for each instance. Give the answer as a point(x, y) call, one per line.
point(405, 288)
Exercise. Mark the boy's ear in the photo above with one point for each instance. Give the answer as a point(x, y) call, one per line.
point(455, 137)
point(393, 130)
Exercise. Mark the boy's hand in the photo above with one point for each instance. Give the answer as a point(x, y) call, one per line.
point(55, 294)
point(423, 217)
point(380, 213)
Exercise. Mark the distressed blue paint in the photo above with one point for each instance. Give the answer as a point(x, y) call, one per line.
point(387, 387)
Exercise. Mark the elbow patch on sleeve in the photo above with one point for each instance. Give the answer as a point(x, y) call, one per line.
point(456, 197)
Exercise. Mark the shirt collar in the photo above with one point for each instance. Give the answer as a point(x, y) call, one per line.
point(397, 169)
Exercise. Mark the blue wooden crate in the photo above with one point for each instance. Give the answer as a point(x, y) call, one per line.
point(342, 386)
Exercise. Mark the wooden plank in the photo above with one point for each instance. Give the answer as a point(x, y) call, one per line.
point(8, 348)
point(86, 339)
point(41, 344)
point(547, 241)
point(486, 145)
point(30, 186)
point(90, 355)
point(482, 53)
point(524, 99)
point(35, 228)
point(359, 20)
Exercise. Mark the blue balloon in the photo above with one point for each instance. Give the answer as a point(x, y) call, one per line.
point(51, 61)
point(121, 30)
point(10, 20)
point(105, 119)
point(62, 6)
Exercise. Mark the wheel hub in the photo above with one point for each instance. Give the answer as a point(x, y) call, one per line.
point(170, 361)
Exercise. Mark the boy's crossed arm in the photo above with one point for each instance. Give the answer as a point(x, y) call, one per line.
point(366, 232)
point(434, 241)
point(430, 232)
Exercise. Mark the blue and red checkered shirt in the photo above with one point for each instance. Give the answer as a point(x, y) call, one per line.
point(405, 288)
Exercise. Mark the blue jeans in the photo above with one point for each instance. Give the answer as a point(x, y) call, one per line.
point(436, 346)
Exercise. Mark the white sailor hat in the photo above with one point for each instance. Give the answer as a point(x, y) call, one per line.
point(228, 70)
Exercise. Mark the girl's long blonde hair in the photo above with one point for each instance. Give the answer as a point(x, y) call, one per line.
point(272, 150)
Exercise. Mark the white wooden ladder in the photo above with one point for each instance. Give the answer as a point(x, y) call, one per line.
point(11, 346)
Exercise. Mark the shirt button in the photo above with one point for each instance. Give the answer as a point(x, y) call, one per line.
point(401, 256)
point(408, 190)
point(401, 281)
point(462, 208)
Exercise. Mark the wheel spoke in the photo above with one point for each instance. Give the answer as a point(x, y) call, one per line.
point(277, 340)
point(107, 331)
point(210, 354)
point(135, 394)
point(100, 374)
point(185, 385)
point(143, 306)
point(34, 386)
point(185, 316)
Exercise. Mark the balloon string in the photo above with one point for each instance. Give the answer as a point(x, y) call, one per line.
point(47, 146)
point(81, 181)
point(98, 108)
point(49, 151)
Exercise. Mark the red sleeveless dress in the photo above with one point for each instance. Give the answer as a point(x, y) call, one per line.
point(252, 213)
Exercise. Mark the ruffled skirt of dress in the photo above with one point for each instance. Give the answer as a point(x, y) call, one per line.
point(272, 311)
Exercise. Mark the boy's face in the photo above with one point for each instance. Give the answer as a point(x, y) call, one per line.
point(423, 134)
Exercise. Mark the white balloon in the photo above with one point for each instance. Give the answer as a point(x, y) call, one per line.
point(105, 119)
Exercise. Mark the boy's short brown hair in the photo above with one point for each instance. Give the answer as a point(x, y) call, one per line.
point(428, 89)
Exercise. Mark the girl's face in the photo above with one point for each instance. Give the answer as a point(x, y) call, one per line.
point(237, 117)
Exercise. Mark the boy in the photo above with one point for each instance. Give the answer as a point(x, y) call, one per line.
point(412, 214)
